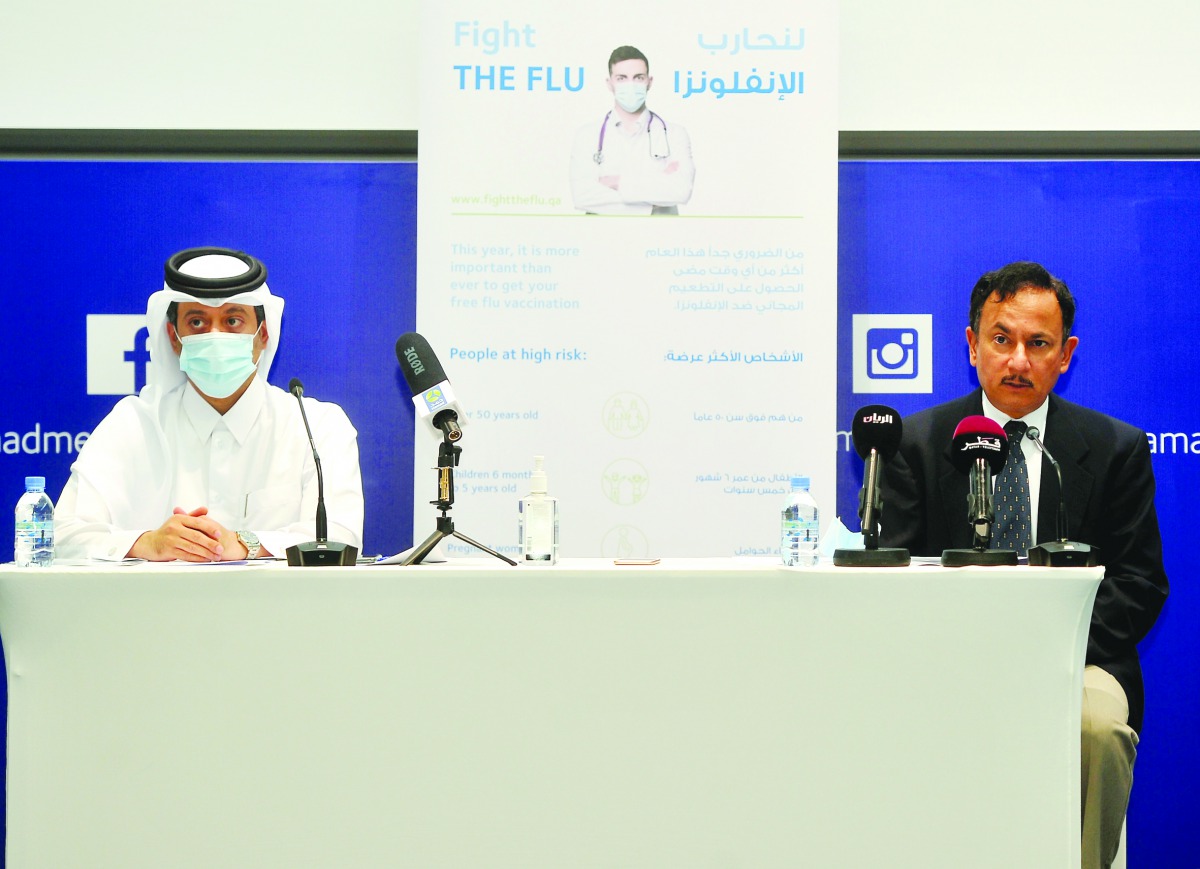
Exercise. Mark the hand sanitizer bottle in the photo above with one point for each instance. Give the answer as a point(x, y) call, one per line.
point(538, 520)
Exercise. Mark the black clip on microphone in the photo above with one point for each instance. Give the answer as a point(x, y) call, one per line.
point(320, 552)
point(1061, 552)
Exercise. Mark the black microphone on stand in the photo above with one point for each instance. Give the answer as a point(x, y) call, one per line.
point(876, 432)
point(1061, 552)
point(979, 448)
point(319, 552)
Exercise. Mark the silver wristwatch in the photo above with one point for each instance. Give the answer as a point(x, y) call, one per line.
point(250, 541)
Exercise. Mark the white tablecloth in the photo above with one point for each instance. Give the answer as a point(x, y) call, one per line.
point(695, 713)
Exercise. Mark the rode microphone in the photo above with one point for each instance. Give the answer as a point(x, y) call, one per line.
point(978, 449)
point(876, 432)
point(320, 551)
point(1061, 552)
point(432, 395)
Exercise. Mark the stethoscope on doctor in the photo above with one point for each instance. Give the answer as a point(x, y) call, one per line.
point(660, 148)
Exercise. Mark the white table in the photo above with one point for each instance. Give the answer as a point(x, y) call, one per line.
point(695, 713)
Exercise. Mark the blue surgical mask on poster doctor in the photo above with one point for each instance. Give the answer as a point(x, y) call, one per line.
point(631, 96)
point(629, 80)
point(217, 362)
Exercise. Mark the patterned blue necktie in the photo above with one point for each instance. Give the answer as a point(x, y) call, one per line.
point(1011, 495)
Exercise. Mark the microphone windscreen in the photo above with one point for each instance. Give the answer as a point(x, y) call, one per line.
point(418, 362)
point(876, 427)
point(295, 387)
point(978, 437)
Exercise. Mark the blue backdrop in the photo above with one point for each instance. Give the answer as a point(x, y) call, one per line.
point(339, 242)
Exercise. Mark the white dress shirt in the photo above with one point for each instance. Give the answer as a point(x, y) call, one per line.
point(1033, 456)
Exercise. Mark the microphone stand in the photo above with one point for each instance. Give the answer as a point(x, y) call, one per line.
point(448, 456)
point(981, 516)
point(1061, 552)
point(321, 552)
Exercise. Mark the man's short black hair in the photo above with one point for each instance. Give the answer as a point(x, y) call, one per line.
point(1008, 281)
point(260, 314)
point(626, 52)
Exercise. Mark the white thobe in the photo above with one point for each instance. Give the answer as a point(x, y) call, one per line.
point(252, 468)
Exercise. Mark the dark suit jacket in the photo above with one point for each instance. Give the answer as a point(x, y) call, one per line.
point(1109, 485)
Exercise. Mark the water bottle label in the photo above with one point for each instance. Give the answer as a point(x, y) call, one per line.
point(34, 543)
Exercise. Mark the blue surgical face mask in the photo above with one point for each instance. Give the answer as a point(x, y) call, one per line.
point(217, 362)
point(631, 95)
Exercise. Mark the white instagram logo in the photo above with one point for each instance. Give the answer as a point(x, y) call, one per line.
point(893, 353)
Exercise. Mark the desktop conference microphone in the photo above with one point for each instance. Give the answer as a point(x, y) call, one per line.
point(320, 551)
point(979, 448)
point(876, 432)
point(432, 395)
point(1061, 552)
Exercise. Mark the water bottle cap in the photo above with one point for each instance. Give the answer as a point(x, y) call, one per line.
point(35, 483)
point(800, 482)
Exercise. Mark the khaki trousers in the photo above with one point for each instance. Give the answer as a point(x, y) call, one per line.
point(1109, 747)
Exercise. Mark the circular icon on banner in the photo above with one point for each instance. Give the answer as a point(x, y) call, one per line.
point(625, 541)
point(625, 482)
point(625, 415)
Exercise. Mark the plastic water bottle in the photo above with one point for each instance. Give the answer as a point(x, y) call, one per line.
point(33, 545)
point(800, 526)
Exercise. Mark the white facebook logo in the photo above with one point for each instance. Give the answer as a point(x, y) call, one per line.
point(893, 353)
point(117, 353)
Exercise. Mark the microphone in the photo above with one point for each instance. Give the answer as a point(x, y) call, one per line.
point(1061, 552)
point(978, 449)
point(436, 405)
point(432, 395)
point(876, 432)
point(320, 551)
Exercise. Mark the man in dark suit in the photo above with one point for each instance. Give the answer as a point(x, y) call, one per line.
point(1020, 342)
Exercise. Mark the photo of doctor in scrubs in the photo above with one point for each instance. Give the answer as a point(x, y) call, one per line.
point(631, 161)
